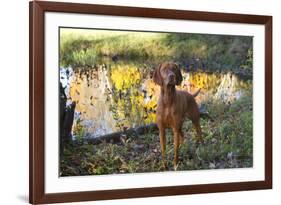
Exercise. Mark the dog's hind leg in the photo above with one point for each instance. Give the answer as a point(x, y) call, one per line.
point(196, 123)
point(181, 137)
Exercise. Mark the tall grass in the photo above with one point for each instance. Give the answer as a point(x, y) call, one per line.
point(84, 47)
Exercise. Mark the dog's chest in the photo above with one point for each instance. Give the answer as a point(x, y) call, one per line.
point(168, 116)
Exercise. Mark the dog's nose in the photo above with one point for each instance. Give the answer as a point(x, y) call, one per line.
point(171, 77)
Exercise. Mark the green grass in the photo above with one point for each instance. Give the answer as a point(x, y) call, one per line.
point(81, 47)
point(228, 143)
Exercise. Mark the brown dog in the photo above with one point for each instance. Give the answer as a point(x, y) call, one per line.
point(173, 106)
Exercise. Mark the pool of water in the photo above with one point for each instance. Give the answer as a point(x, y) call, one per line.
point(115, 97)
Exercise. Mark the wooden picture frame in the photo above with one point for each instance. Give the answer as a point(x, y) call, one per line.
point(37, 98)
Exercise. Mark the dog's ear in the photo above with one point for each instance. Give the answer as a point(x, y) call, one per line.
point(178, 74)
point(157, 78)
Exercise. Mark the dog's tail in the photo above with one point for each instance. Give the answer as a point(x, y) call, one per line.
point(196, 93)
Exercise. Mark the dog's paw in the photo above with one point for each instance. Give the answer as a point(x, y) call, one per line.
point(164, 166)
point(176, 167)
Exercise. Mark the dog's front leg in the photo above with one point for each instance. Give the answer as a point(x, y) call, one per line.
point(162, 135)
point(176, 133)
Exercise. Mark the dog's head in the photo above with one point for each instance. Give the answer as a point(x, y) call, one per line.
point(167, 74)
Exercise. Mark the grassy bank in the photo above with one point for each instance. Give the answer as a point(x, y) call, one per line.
point(80, 48)
point(227, 144)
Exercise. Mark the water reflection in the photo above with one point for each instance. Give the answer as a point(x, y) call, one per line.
point(118, 96)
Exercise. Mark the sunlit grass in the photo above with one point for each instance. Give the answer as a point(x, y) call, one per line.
point(96, 34)
point(85, 47)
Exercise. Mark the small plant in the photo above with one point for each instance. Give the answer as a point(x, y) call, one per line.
point(248, 65)
point(78, 130)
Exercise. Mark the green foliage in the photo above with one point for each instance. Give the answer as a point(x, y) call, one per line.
point(80, 48)
point(248, 65)
point(84, 57)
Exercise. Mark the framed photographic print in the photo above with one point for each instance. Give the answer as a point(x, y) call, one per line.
point(139, 102)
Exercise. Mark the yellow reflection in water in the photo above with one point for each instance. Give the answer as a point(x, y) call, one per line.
point(124, 96)
point(125, 76)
